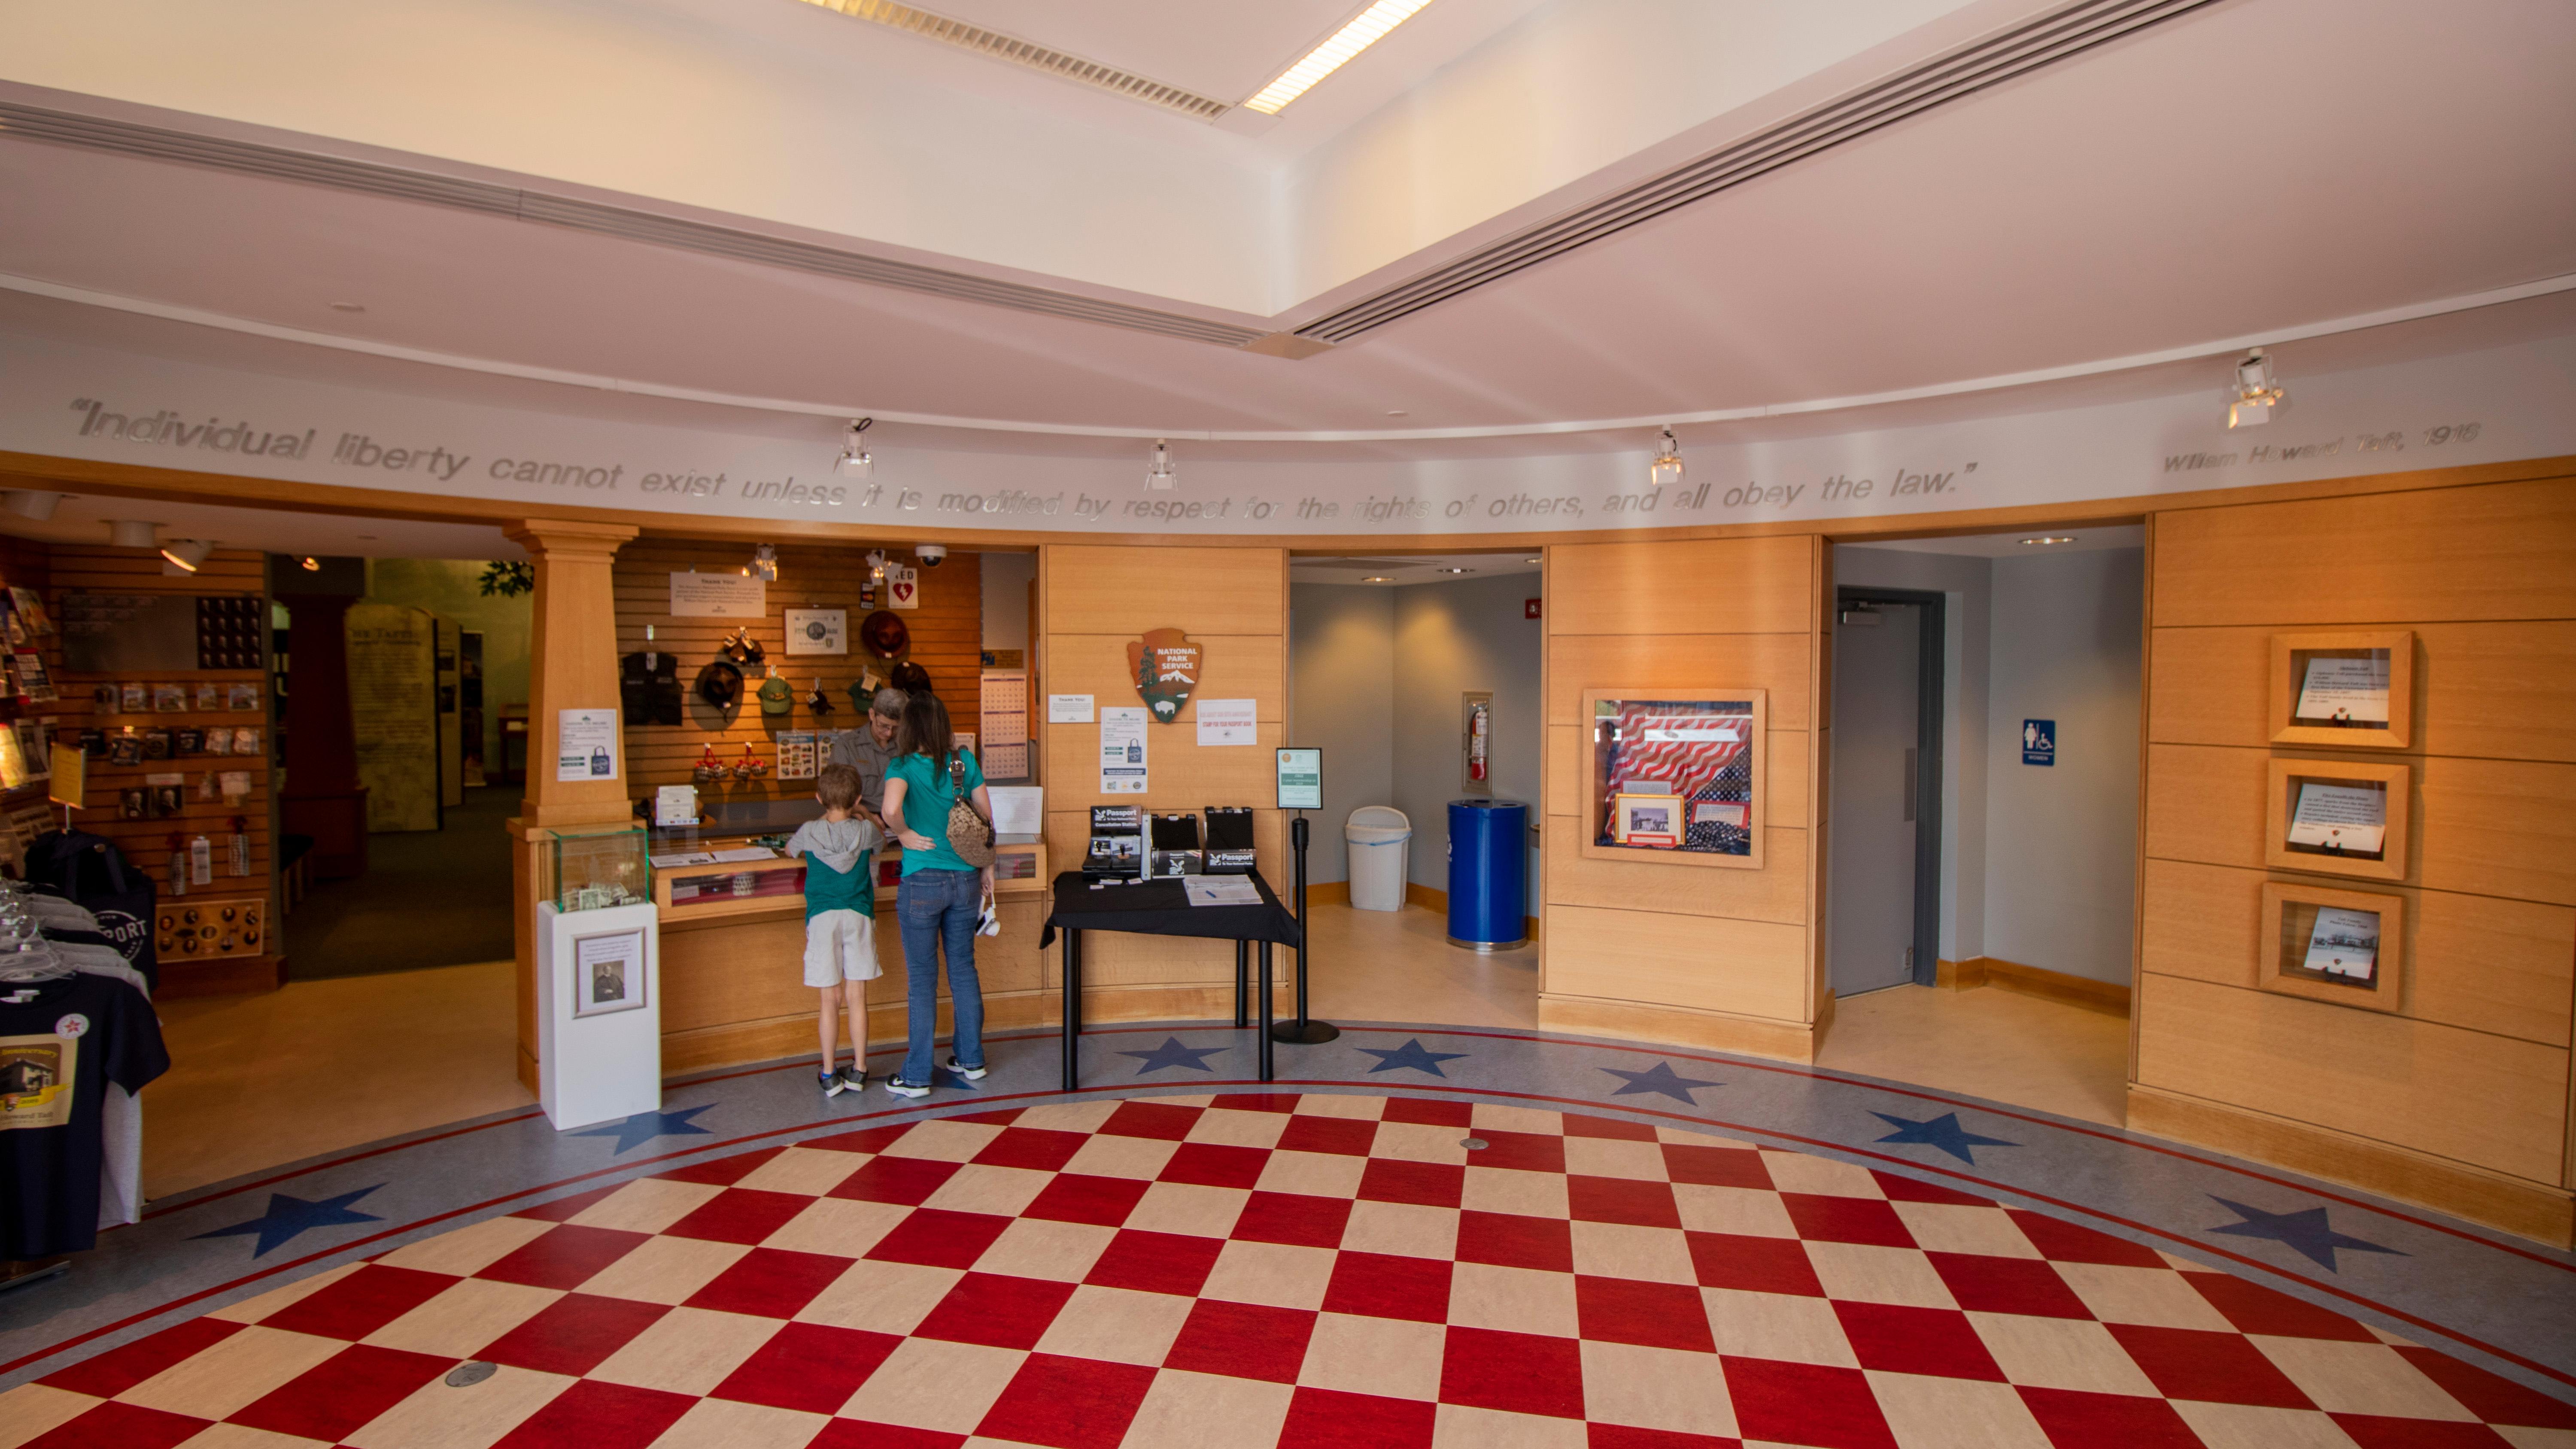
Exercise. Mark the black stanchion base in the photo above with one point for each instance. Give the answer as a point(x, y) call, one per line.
point(1305, 1033)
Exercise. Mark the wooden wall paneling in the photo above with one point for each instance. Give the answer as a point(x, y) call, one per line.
point(1180, 773)
point(1668, 587)
point(1781, 664)
point(2146, 736)
point(2499, 828)
point(2491, 1101)
point(2497, 551)
point(1750, 968)
point(1104, 589)
point(2205, 804)
point(1820, 675)
point(2498, 690)
point(1776, 893)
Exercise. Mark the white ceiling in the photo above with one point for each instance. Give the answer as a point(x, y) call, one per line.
point(2087, 539)
point(1224, 52)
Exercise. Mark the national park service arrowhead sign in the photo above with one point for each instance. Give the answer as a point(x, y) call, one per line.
point(1166, 666)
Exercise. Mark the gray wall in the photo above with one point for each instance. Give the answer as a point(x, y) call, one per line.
point(1341, 700)
point(1451, 638)
point(1006, 600)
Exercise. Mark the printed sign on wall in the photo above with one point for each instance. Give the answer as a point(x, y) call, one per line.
point(1166, 667)
point(2039, 742)
point(903, 586)
point(718, 596)
point(818, 631)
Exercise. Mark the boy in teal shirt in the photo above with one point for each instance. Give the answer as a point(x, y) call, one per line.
point(840, 917)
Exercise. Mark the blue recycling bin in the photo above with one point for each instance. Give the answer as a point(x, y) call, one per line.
point(1488, 877)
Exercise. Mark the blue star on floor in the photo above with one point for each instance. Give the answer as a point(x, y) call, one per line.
point(1172, 1054)
point(2305, 1231)
point(1943, 1132)
point(288, 1216)
point(1412, 1054)
point(1661, 1079)
point(643, 1127)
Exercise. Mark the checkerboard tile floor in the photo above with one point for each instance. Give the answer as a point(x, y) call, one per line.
point(1253, 1270)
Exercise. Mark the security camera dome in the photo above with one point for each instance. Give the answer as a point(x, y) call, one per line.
point(932, 555)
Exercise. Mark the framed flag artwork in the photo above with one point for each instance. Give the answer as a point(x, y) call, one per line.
point(1675, 774)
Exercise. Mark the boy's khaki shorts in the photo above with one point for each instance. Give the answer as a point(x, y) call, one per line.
point(840, 946)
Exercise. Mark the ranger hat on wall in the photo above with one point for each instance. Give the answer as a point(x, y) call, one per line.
point(720, 684)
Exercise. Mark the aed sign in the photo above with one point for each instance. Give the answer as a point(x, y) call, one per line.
point(2039, 742)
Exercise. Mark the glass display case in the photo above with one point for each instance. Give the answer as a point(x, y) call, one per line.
point(2344, 689)
point(2346, 947)
point(589, 870)
point(1675, 773)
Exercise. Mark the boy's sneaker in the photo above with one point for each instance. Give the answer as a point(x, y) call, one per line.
point(907, 1089)
point(853, 1077)
point(832, 1083)
point(972, 1074)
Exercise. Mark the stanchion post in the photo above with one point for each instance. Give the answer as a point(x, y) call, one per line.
point(1304, 1030)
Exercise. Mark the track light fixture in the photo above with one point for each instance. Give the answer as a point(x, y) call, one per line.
point(313, 565)
point(876, 565)
point(2256, 392)
point(854, 461)
point(1668, 463)
point(27, 503)
point(764, 563)
point(1160, 476)
point(133, 533)
point(184, 555)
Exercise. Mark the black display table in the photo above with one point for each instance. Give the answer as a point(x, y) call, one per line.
point(1162, 908)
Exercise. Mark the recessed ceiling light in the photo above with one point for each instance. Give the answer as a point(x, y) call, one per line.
point(348, 306)
point(1534, 558)
point(1397, 413)
point(1364, 31)
point(2044, 540)
point(1457, 571)
point(1377, 579)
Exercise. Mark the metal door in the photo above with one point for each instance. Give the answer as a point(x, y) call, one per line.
point(1877, 725)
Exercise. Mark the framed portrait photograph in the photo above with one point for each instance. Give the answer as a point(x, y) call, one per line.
point(1677, 772)
point(608, 973)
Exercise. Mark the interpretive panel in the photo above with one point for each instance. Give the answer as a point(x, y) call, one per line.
point(2346, 947)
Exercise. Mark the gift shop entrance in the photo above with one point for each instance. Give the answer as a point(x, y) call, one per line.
point(1417, 677)
point(1983, 833)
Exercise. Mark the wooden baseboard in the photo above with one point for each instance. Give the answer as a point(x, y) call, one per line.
point(221, 976)
point(1752, 1035)
point(2529, 1209)
point(766, 1040)
point(1328, 893)
point(1824, 1019)
point(1423, 895)
point(2108, 997)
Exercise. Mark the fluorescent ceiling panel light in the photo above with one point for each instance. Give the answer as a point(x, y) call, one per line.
point(1363, 32)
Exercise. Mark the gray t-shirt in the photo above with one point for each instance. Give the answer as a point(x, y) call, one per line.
point(859, 750)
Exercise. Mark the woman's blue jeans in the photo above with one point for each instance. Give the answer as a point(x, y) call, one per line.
point(931, 906)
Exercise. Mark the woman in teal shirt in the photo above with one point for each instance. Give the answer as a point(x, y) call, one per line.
point(941, 897)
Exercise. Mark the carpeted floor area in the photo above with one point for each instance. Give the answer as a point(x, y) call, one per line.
point(429, 898)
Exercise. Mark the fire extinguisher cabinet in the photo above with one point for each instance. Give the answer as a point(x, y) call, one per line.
point(1488, 875)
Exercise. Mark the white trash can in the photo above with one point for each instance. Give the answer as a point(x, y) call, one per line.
point(1377, 836)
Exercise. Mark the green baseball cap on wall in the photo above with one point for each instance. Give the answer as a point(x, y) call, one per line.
point(777, 696)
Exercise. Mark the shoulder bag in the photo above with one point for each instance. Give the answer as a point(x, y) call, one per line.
point(969, 834)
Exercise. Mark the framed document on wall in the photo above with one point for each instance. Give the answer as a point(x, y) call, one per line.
point(2346, 947)
point(2341, 817)
point(1675, 774)
point(2349, 689)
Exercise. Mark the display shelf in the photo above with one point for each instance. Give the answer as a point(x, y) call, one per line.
point(1675, 774)
point(597, 869)
point(2355, 958)
point(2317, 817)
point(2327, 686)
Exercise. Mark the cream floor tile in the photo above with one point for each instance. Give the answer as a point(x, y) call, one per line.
point(1656, 1388)
point(461, 1318)
point(469, 1249)
point(1949, 1228)
point(724, 1424)
point(1615, 1157)
point(1399, 966)
point(1278, 1274)
point(982, 1188)
point(945, 1139)
point(881, 1297)
point(1942, 1413)
point(2244, 1426)
point(2359, 1378)
point(1516, 1300)
point(1408, 1230)
point(1228, 1128)
point(1777, 1325)
point(1358, 1106)
point(687, 1351)
point(1750, 1212)
point(30, 1409)
point(1867, 1273)
point(808, 1170)
point(1039, 1248)
point(1693, 1137)
point(252, 1310)
point(2154, 1297)
point(1319, 1174)
point(242, 1436)
point(2060, 1353)
point(1139, 1157)
point(1800, 1172)
point(927, 1383)
point(1419, 1142)
point(840, 1226)
point(1503, 1190)
point(1068, 1116)
point(1210, 1411)
point(1460, 1427)
point(1992, 1043)
point(2524, 1438)
point(1621, 1250)
point(439, 1417)
point(225, 1377)
point(646, 1205)
point(664, 1270)
point(1188, 1208)
point(1117, 1324)
point(1517, 1119)
point(1391, 1357)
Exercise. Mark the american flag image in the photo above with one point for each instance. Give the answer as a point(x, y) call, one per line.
point(1701, 750)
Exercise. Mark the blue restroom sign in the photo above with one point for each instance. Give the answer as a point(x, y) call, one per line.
point(2039, 742)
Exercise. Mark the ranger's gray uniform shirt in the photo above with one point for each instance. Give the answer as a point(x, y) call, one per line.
point(859, 750)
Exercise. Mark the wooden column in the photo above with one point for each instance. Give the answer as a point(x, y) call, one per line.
point(572, 665)
point(323, 798)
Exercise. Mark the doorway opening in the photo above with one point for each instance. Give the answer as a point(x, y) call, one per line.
point(1888, 692)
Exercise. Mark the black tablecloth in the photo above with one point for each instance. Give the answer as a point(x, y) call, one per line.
point(1162, 908)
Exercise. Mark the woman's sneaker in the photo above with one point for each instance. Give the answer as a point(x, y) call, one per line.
point(972, 1074)
point(907, 1089)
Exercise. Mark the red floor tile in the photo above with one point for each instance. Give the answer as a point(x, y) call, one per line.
point(1828, 1219)
point(1242, 1340)
point(120, 1426)
point(939, 1238)
point(998, 1117)
point(1578, 1125)
point(906, 1181)
point(2074, 1420)
point(341, 1394)
point(1512, 1241)
point(1156, 1263)
point(1756, 1265)
point(770, 1283)
point(113, 1372)
point(861, 1434)
point(594, 1415)
point(2066, 1242)
point(1037, 1148)
point(1331, 1419)
point(1378, 1285)
point(2372, 1432)
point(1283, 1103)
point(866, 1139)
point(1900, 1188)
point(2224, 1368)
point(722, 1171)
point(566, 1256)
point(1150, 1119)
point(1213, 1164)
point(1341, 1136)
point(1431, 1184)
point(2254, 1308)
point(1293, 1218)
point(1521, 1373)
point(1520, 1151)
point(573, 1335)
point(1655, 1315)
point(360, 1303)
point(809, 1366)
point(1068, 1403)
point(991, 1308)
point(1804, 1403)
point(1715, 1166)
point(1937, 1341)
point(740, 1215)
point(2026, 1286)
point(1073, 1197)
point(564, 1209)
point(1621, 1200)
point(1429, 1112)
point(1622, 1436)
point(2496, 1399)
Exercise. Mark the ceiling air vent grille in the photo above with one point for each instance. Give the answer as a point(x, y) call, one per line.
point(1030, 54)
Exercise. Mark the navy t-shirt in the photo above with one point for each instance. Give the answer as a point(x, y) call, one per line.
point(58, 1051)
